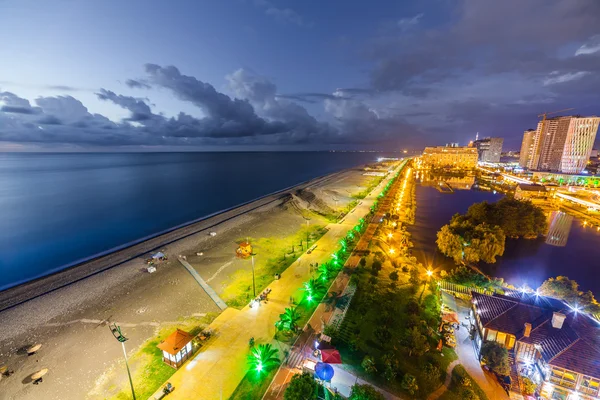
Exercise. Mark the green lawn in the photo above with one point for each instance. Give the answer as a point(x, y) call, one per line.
point(274, 255)
point(149, 371)
point(251, 388)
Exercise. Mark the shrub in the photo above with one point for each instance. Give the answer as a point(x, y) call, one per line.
point(301, 387)
point(368, 364)
point(394, 276)
point(409, 383)
point(365, 392)
point(405, 268)
point(528, 386)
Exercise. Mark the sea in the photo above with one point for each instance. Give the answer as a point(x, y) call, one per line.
point(59, 209)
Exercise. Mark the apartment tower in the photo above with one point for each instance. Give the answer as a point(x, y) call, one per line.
point(526, 147)
point(548, 145)
point(578, 145)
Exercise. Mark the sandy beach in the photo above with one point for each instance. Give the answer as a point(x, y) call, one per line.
point(69, 312)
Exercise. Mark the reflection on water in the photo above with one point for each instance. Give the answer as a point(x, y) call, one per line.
point(446, 183)
point(559, 227)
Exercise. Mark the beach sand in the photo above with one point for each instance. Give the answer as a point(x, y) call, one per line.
point(71, 321)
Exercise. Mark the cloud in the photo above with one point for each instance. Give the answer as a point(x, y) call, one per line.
point(140, 111)
point(408, 23)
point(561, 78)
point(281, 15)
point(137, 84)
point(592, 46)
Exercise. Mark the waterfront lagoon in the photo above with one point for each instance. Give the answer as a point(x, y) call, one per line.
point(525, 262)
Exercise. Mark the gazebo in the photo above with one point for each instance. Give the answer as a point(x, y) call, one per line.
point(176, 348)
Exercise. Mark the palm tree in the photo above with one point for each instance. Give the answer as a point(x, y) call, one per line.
point(288, 320)
point(314, 288)
point(324, 271)
point(263, 358)
point(334, 300)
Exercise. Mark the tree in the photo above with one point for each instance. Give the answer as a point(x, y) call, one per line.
point(288, 320)
point(365, 392)
point(363, 262)
point(391, 366)
point(376, 267)
point(368, 364)
point(394, 276)
point(450, 244)
point(409, 383)
point(417, 342)
point(262, 359)
point(568, 290)
point(495, 356)
point(301, 387)
point(414, 278)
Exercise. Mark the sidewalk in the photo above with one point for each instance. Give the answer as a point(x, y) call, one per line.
point(216, 371)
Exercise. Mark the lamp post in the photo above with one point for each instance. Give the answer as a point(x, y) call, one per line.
point(116, 331)
point(253, 281)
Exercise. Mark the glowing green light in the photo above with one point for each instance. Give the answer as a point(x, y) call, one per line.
point(259, 367)
point(309, 299)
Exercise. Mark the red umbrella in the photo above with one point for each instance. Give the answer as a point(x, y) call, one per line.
point(331, 356)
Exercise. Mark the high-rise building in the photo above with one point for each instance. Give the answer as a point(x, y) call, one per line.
point(489, 149)
point(578, 144)
point(526, 147)
point(455, 157)
point(548, 145)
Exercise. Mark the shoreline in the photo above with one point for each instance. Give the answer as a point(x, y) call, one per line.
point(95, 264)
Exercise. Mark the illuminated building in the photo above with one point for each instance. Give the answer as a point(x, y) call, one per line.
point(526, 147)
point(548, 145)
point(489, 149)
point(578, 144)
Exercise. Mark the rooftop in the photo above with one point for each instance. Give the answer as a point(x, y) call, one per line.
point(175, 342)
point(532, 188)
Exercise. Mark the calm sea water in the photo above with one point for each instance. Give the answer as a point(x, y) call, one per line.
point(56, 209)
point(524, 261)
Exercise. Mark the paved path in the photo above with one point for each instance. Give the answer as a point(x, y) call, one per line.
point(303, 346)
point(209, 291)
point(216, 371)
point(440, 391)
point(467, 356)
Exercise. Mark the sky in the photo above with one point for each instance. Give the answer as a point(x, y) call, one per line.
point(290, 74)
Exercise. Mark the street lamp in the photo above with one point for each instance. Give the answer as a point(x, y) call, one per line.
point(116, 331)
point(253, 280)
point(429, 273)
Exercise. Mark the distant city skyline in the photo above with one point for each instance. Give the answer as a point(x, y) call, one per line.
point(274, 74)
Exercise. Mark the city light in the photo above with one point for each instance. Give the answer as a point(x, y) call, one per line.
point(429, 272)
point(390, 235)
point(392, 251)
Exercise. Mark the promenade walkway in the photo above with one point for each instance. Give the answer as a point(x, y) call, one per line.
point(215, 372)
point(302, 349)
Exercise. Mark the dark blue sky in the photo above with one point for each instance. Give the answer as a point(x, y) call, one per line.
point(290, 74)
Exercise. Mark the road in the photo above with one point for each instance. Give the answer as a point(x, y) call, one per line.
point(216, 371)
